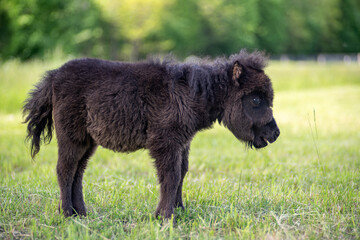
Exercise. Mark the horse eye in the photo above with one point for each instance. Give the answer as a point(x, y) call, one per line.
point(256, 101)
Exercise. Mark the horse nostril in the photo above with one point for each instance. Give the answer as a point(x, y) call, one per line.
point(277, 133)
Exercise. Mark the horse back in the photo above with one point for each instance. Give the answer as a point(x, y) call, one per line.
point(107, 101)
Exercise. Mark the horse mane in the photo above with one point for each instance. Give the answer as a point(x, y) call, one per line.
point(203, 75)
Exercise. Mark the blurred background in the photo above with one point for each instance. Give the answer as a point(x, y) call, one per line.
point(132, 29)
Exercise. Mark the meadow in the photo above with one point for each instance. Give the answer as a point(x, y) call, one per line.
point(304, 186)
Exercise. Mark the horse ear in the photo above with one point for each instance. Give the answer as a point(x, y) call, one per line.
point(236, 73)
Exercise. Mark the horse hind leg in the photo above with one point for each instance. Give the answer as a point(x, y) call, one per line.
point(184, 169)
point(69, 156)
point(77, 188)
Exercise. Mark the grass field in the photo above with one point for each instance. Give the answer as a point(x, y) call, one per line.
point(304, 186)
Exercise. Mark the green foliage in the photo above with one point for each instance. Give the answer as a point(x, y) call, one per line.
point(133, 29)
point(271, 31)
point(350, 25)
point(134, 21)
point(303, 186)
point(31, 28)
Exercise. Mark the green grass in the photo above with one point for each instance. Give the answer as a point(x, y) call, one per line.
point(304, 186)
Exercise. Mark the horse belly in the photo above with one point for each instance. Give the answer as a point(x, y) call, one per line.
point(121, 130)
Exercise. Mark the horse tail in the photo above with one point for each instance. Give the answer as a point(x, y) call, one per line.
point(38, 111)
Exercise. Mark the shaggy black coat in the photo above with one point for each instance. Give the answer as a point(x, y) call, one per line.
point(157, 105)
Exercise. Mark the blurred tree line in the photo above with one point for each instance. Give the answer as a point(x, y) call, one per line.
point(131, 29)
